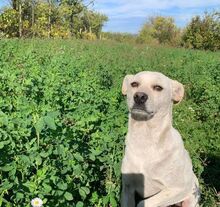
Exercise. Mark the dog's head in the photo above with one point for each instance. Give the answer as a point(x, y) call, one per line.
point(150, 93)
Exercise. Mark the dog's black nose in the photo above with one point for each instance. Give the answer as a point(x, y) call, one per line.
point(140, 97)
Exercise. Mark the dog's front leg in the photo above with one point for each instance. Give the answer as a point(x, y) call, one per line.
point(166, 197)
point(127, 197)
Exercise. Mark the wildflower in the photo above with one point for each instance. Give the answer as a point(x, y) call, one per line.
point(36, 202)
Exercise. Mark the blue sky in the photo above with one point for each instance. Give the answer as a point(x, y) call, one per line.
point(130, 15)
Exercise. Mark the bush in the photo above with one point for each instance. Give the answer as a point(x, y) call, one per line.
point(119, 37)
point(160, 30)
point(9, 23)
point(203, 32)
point(88, 36)
point(146, 35)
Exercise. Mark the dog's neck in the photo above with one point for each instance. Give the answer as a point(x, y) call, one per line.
point(154, 129)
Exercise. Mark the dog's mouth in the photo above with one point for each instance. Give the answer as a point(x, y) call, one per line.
point(141, 114)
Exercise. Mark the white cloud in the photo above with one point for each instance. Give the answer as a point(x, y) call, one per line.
point(124, 11)
point(139, 8)
point(157, 4)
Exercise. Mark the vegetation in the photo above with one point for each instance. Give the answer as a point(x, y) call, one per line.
point(50, 18)
point(73, 18)
point(63, 118)
point(203, 32)
point(119, 37)
point(200, 33)
point(160, 30)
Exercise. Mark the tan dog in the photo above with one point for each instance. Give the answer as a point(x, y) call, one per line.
point(156, 168)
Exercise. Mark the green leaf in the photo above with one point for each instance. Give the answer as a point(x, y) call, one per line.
point(6, 185)
point(24, 158)
point(82, 193)
point(44, 154)
point(39, 126)
point(1, 200)
point(7, 168)
point(53, 114)
point(79, 204)
point(47, 188)
point(112, 200)
point(31, 186)
point(105, 200)
point(95, 197)
point(2, 144)
point(38, 160)
point(87, 191)
point(78, 157)
point(3, 119)
point(77, 170)
point(19, 196)
point(62, 186)
point(68, 196)
point(49, 121)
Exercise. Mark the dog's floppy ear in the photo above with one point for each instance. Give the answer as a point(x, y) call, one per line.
point(177, 91)
point(126, 81)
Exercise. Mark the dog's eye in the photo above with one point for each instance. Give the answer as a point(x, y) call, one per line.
point(157, 88)
point(134, 84)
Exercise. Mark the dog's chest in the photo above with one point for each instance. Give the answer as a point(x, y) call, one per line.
point(143, 163)
point(143, 155)
point(138, 155)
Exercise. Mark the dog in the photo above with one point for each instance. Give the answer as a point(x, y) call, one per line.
point(156, 168)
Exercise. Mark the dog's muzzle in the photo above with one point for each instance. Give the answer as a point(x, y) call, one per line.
point(140, 98)
point(141, 115)
point(139, 111)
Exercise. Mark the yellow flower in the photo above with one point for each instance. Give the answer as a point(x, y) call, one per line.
point(36, 202)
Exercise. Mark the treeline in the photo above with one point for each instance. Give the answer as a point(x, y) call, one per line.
point(202, 32)
point(73, 18)
point(51, 18)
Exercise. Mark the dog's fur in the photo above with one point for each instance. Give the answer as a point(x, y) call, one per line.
point(154, 150)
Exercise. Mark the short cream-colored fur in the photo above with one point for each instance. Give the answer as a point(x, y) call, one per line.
point(154, 149)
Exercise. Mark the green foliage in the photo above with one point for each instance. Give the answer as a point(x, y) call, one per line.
point(9, 23)
point(88, 36)
point(160, 30)
point(119, 37)
point(56, 19)
point(93, 22)
point(146, 35)
point(63, 118)
point(203, 32)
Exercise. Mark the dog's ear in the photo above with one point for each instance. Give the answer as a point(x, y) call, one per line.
point(177, 91)
point(126, 82)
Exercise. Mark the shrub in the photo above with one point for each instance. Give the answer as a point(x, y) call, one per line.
point(160, 30)
point(203, 32)
point(9, 23)
point(88, 36)
point(119, 37)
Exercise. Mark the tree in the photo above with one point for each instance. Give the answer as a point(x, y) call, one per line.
point(146, 34)
point(159, 29)
point(9, 23)
point(17, 5)
point(164, 29)
point(93, 22)
point(50, 18)
point(203, 32)
point(75, 7)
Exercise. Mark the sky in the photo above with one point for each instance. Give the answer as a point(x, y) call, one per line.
point(130, 15)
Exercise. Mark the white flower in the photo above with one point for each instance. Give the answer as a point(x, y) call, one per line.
point(36, 202)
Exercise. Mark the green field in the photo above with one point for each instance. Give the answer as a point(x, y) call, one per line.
point(63, 118)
